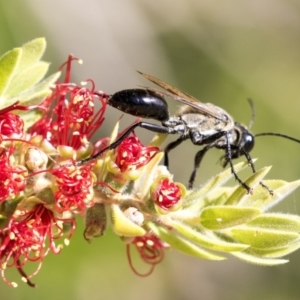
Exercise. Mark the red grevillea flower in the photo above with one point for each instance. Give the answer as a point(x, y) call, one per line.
point(75, 188)
point(72, 117)
point(150, 249)
point(28, 237)
point(166, 194)
point(131, 154)
point(12, 178)
point(11, 125)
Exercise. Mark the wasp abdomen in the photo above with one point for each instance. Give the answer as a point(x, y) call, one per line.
point(141, 103)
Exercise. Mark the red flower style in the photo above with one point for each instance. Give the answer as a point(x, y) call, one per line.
point(151, 250)
point(71, 118)
point(131, 154)
point(12, 178)
point(74, 188)
point(166, 194)
point(28, 237)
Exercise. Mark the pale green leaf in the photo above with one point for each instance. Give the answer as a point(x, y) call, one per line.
point(8, 64)
point(36, 94)
point(32, 53)
point(142, 186)
point(241, 194)
point(277, 221)
point(212, 184)
point(221, 217)
point(263, 199)
point(26, 79)
point(259, 260)
point(210, 242)
point(281, 193)
point(218, 197)
point(263, 238)
point(36, 98)
point(158, 140)
point(181, 244)
point(275, 252)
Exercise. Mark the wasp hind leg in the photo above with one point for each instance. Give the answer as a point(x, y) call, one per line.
point(115, 144)
point(198, 158)
point(171, 146)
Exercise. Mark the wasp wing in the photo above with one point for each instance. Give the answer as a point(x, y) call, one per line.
point(176, 94)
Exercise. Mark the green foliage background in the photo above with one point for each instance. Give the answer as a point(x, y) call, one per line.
point(219, 51)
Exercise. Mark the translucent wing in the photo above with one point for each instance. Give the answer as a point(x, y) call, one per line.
point(176, 94)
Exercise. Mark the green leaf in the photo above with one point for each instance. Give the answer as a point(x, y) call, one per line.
point(259, 260)
point(31, 53)
point(241, 193)
point(263, 238)
point(8, 64)
point(280, 193)
point(181, 244)
point(210, 242)
point(142, 186)
point(221, 217)
point(218, 197)
point(212, 185)
point(158, 140)
point(27, 78)
point(38, 92)
point(275, 252)
point(277, 221)
point(20, 73)
point(263, 199)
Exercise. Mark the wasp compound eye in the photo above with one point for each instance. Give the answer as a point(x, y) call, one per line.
point(248, 141)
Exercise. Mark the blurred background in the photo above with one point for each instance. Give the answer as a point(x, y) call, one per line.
point(218, 51)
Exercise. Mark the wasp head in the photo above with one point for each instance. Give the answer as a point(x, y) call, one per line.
point(242, 144)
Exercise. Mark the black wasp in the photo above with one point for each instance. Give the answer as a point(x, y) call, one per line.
point(203, 123)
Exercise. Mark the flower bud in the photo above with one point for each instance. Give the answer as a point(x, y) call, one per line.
point(35, 159)
point(95, 221)
point(134, 215)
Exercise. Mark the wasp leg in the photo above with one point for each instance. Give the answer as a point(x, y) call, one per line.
point(211, 140)
point(171, 146)
point(250, 161)
point(229, 159)
point(198, 158)
point(115, 144)
point(228, 155)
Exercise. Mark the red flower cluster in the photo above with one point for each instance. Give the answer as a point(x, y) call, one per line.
point(12, 178)
point(34, 202)
point(74, 189)
point(29, 237)
point(71, 117)
point(44, 185)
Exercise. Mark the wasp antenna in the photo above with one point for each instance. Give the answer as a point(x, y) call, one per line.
point(280, 135)
point(250, 101)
